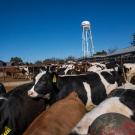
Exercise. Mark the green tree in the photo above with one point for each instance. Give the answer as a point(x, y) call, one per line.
point(133, 42)
point(39, 62)
point(49, 60)
point(16, 60)
point(70, 58)
point(110, 51)
point(103, 52)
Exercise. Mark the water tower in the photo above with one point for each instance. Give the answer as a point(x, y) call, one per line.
point(87, 43)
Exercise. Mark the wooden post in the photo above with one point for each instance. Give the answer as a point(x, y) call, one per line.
point(4, 78)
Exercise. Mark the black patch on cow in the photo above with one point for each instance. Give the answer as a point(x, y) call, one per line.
point(133, 116)
point(67, 84)
point(116, 92)
point(118, 77)
point(132, 80)
point(126, 69)
point(61, 71)
point(128, 98)
point(70, 71)
point(53, 68)
point(98, 91)
point(44, 84)
point(100, 66)
point(23, 71)
point(2, 89)
point(19, 110)
point(73, 133)
point(108, 77)
point(111, 65)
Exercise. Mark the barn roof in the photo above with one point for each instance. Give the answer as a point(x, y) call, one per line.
point(2, 63)
point(123, 51)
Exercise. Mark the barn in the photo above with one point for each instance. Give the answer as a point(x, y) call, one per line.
point(126, 55)
point(2, 63)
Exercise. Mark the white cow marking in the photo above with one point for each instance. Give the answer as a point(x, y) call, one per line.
point(131, 72)
point(89, 104)
point(39, 76)
point(32, 92)
point(108, 87)
point(3, 98)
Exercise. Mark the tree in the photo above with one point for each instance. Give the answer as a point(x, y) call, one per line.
point(103, 52)
point(49, 61)
point(39, 62)
point(133, 42)
point(28, 63)
point(16, 60)
point(72, 58)
point(110, 51)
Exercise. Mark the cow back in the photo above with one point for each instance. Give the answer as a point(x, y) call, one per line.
point(60, 118)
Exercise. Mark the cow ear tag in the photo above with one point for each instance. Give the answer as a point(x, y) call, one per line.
point(7, 130)
point(54, 79)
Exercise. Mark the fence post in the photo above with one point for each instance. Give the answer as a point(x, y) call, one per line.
point(4, 79)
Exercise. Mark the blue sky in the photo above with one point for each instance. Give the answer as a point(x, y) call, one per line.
point(39, 29)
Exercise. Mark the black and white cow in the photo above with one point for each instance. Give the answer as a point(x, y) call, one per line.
point(66, 69)
point(97, 67)
point(121, 101)
point(2, 89)
point(31, 71)
point(18, 110)
point(92, 88)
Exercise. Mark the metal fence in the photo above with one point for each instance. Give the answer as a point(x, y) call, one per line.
point(11, 73)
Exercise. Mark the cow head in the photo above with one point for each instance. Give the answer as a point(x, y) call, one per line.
point(129, 70)
point(43, 85)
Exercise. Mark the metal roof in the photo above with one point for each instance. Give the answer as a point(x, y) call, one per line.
point(123, 51)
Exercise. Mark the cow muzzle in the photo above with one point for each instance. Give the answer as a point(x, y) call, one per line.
point(32, 93)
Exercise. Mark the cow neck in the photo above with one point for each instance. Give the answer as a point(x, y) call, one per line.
point(55, 87)
point(54, 91)
point(122, 68)
point(117, 77)
point(124, 74)
point(60, 82)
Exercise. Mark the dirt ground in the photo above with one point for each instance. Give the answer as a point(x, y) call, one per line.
point(11, 83)
point(9, 79)
point(9, 88)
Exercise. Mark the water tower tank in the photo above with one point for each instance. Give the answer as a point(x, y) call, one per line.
point(86, 24)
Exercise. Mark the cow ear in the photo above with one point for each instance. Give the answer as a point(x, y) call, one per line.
point(54, 79)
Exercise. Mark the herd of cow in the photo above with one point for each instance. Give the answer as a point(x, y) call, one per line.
point(67, 100)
